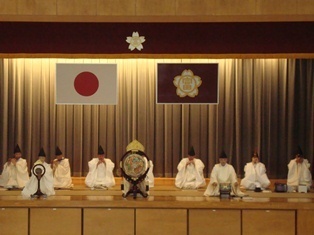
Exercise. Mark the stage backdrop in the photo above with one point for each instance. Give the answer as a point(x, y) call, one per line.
point(264, 104)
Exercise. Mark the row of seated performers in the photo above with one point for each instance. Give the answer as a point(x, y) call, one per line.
point(189, 176)
point(58, 174)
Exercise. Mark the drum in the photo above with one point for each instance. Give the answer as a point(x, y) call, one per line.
point(134, 165)
point(225, 190)
point(225, 187)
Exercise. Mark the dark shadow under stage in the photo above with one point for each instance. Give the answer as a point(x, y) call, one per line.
point(167, 210)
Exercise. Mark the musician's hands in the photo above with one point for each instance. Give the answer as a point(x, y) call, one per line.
point(101, 161)
point(214, 184)
point(13, 161)
point(190, 162)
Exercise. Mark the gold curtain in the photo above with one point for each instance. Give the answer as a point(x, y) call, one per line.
point(256, 110)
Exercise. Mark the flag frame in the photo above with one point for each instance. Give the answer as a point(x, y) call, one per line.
point(102, 70)
point(187, 65)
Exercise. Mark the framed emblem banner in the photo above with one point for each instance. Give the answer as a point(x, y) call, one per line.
point(187, 83)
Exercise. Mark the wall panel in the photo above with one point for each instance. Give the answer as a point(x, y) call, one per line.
point(14, 221)
point(268, 222)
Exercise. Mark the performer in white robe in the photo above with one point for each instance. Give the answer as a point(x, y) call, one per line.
point(61, 171)
point(1, 181)
point(5, 173)
point(46, 181)
point(15, 171)
point(299, 171)
point(100, 173)
point(255, 175)
point(150, 175)
point(190, 172)
point(223, 173)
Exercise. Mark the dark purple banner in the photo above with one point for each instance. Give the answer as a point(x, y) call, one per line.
point(160, 38)
point(187, 83)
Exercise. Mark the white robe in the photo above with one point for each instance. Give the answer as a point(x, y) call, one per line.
point(190, 176)
point(299, 173)
point(62, 174)
point(15, 176)
point(150, 175)
point(220, 175)
point(46, 182)
point(255, 176)
point(4, 176)
point(101, 174)
point(1, 181)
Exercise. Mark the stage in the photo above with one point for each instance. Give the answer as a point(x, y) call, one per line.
point(167, 210)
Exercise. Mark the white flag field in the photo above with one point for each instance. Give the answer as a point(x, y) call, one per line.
point(86, 84)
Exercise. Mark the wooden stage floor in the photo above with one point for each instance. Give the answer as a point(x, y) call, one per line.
point(163, 195)
point(167, 210)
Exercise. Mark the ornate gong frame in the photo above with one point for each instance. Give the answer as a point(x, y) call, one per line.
point(134, 181)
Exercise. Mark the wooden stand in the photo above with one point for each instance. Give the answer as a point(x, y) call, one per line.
point(39, 173)
point(134, 190)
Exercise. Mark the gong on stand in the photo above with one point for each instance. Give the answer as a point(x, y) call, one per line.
point(39, 171)
point(134, 168)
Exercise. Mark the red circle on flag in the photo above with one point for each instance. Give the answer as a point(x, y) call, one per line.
point(86, 83)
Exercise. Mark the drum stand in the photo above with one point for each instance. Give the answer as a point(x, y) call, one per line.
point(134, 190)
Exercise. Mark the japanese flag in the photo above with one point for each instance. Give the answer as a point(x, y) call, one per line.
point(86, 84)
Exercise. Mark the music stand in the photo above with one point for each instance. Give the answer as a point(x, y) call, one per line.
point(39, 171)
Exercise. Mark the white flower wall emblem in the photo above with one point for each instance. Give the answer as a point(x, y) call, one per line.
point(187, 84)
point(135, 41)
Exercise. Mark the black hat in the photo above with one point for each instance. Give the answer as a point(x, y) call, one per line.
point(58, 151)
point(299, 151)
point(17, 149)
point(100, 150)
point(255, 154)
point(191, 152)
point(41, 153)
point(223, 155)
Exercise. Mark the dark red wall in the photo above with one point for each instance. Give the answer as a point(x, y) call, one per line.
point(161, 38)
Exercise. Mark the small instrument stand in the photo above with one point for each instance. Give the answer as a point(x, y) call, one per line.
point(39, 171)
point(225, 191)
